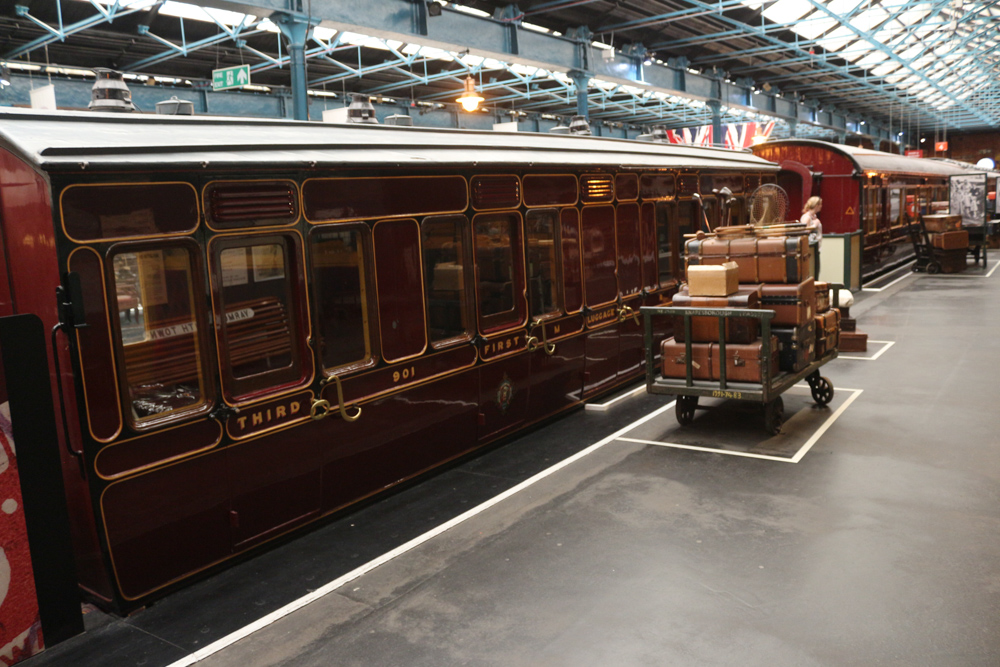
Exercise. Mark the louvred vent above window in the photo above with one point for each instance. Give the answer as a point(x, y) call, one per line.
point(490, 193)
point(597, 187)
point(251, 204)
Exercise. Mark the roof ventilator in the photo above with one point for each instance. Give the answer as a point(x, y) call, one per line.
point(110, 92)
point(657, 134)
point(361, 110)
point(399, 119)
point(579, 126)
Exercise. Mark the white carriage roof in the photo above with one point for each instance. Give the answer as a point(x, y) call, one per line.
point(87, 140)
point(866, 159)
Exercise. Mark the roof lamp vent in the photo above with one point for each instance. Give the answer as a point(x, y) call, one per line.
point(579, 126)
point(400, 119)
point(110, 92)
point(361, 110)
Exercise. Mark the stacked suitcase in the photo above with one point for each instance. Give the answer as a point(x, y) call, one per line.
point(773, 275)
point(950, 243)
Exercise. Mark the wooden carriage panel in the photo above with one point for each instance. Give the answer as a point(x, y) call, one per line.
point(146, 517)
point(550, 190)
point(112, 211)
point(327, 199)
point(100, 386)
point(399, 280)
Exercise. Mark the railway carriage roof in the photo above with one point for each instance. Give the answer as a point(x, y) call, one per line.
point(866, 159)
point(74, 140)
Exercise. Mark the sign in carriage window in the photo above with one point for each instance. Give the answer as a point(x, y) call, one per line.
point(163, 356)
point(541, 234)
point(447, 253)
point(128, 210)
point(341, 294)
point(256, 280)
point(500, 270)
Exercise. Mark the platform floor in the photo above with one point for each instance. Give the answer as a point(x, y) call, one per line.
point(866, 534)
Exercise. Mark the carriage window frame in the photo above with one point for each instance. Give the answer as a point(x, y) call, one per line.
point(516, 316)
point(369, 305)
point(252, 387)
point(222, 227)
point(388, 331)
point(559, 306)
point(589, 268)
point(468, 283)
point(200, 316)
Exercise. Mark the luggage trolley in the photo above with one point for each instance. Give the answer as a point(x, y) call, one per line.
point(923, 251)
point(768, 392)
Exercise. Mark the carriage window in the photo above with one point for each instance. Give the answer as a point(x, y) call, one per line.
point(895, 209)
point(256, 313)
point(737, 211)
point(339, 257)
point(446, 256)
point(543, 261)
point(398, 276)
point(713, 212)
point(657, 245)
point(498, 267)
point(92, 212)
point(163, 357)
point(599, 255)
point(572, 271)
point(629, 249)
point(688, 218)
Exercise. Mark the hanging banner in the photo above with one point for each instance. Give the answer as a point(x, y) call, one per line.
point(736, 136)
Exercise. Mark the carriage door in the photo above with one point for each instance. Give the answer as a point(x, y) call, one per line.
point(630, 343)
point(601, 294)
point(503, 312)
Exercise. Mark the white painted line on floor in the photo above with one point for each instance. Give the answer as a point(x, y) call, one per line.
point(887, 286)
point(795, 459)
point(992, 270)
point(962, 274)
point(886, 344)
point(603, 407)
point(295, 605)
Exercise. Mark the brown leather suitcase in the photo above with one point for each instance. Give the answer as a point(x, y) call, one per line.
point(822, 297)
point(741, 250)
point(827, 332)
point(706, 329)
point(798, 346)
point(793, 305)
point(744, 362)
point(673, 358)
point(783, 259)
point(937, 223)
point(950, 240)
point(852, 341)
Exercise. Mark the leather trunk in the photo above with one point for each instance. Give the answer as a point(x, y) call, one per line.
point(706, 329)
point(793, 305)
point(798, 346)
point(952, 261)
point(783, 259)
point(673, 358)
point(827, 332)
point(744, 362)
point(822, 297)
point(950, 240)
point(937, 223)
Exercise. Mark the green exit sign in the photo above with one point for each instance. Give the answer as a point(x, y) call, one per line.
point(230, 77)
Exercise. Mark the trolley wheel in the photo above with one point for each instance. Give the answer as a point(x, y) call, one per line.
point(933, 267)
point(774, 414)
point(685, 407)
point(915, 268)
point(822, 390)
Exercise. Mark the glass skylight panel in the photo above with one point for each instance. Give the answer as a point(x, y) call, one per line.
point(870, 19)
point(912, 52)
point(837, 39)
point(843, 7)
point(788, 11)
point(855, 51)
point(872, 59)
point(814, 26)
point(887, 68)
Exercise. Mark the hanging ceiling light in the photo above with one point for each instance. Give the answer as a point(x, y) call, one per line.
point(470, 98)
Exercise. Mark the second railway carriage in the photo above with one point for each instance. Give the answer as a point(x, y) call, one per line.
point(876, 193)
point(266, 321)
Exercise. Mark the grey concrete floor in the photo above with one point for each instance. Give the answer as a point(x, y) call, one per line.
point(881, 546)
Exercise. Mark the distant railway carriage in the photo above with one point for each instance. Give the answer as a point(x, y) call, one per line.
point(275, 320)
point(873, 192)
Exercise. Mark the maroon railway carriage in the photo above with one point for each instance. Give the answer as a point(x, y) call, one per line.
point(873, 192)
point(278, 319)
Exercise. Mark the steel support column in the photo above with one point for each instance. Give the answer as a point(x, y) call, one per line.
point(297, 30)
point(581, 80)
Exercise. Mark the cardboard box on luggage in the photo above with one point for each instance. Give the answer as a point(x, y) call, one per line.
point(713, 280)
point(937, 223)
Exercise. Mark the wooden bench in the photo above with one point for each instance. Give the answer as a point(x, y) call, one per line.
point(173, 359)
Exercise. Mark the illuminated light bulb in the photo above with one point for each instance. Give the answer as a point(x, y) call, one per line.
point(470, 99)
